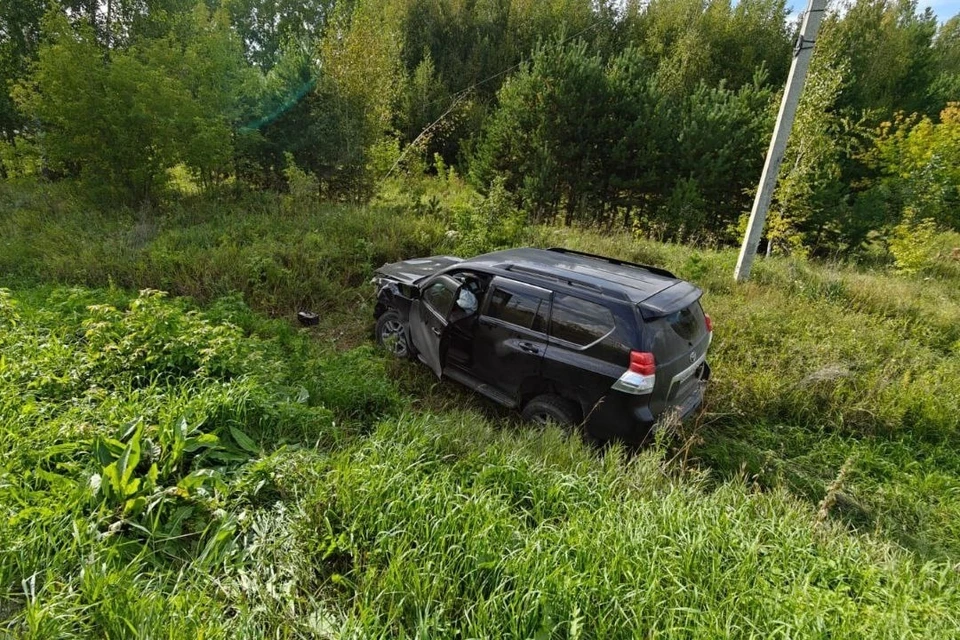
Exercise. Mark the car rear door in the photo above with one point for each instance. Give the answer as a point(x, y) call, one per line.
point(511, 337)
point(428, 320)
point(588, 347)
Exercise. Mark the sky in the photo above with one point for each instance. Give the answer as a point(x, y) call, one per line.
point(945, 9)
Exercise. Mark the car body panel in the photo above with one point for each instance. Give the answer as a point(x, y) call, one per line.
point(427, 325)
point(415, 270)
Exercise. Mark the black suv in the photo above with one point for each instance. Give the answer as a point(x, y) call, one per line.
point(569, 337)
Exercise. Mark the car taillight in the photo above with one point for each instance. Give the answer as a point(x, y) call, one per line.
point(706, 318)
point(641, 376)
point(643, 363)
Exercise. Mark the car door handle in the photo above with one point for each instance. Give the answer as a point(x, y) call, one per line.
point(528, 347)
point(436, 331)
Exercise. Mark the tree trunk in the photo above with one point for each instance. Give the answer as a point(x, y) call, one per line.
point(571, 205)
point(108, 35)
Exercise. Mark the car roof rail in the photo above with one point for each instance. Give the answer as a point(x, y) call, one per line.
point(567, 280)
point(655, 270)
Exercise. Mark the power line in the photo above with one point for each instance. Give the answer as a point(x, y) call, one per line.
point(458, 96)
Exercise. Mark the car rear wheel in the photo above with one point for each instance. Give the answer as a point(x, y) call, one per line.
point(392, 334)
point(549, 409)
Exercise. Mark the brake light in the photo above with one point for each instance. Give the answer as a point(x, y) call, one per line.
point(643, 363)
point(709, 322)
point(640, 377)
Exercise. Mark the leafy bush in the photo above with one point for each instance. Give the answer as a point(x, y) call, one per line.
point(302, 185)
point(912, 243)
point(493, 224)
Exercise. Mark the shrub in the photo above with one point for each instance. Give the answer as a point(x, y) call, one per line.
point(912, 243)
point(494, 224)
point(303, 186)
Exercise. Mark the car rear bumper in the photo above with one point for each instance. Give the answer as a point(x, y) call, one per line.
point(629, 418)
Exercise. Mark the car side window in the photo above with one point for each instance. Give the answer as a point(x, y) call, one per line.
point(440, 297)
point(579, 321)
point(520, 309)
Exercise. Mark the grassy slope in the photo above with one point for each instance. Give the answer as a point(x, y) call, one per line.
point(359, 510)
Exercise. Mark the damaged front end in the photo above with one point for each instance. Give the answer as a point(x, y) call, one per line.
point(396, 282)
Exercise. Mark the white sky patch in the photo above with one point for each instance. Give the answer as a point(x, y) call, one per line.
point(944, 9)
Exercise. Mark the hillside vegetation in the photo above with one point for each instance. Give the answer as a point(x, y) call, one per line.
point(631, 114)
point(194, 464)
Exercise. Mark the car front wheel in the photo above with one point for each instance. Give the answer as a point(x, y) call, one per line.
point(392, 334)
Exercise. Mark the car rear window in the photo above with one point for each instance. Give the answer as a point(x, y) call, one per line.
point(686, 323)
point(520, 309)
point(579, 321)
point(676, 331)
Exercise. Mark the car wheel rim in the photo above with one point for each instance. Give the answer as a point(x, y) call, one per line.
point(392, 337)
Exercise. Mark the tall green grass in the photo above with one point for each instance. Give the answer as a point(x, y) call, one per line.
point(166, 472)
point(305, 485)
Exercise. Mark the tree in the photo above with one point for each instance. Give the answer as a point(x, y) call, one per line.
point(268, 27)
point(919, 163)
point(946, 53)
point(891, 63)
point(686, 42)
point(545, 138)
point(602, 139)
point(19, 40)
point(277, 107)
point(120, 120)
point(355, 97)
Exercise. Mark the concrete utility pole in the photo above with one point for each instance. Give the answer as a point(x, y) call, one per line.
point(781, 132)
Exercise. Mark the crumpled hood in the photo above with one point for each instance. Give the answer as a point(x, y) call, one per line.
point(410, 271)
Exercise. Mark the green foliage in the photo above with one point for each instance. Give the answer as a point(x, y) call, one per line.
point(495, 223)
point(651, 116)
point(281, 258)
point(122, 466)
point(303, 185)
point(546, 537)
point(912, 243)
point(946, 53)
point(604, 141)
point(686, 42)
point(266, 27)
point(357, 384)
point(355, 95)
point(20, 25)
point(809, 209)
point(220, 473)
point(894, 76)
point(919, 164)
point(119, 121)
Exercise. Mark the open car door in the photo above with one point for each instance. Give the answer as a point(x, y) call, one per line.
point(429, 316)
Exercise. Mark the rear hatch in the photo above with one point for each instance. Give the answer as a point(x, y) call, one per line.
point(675, 331)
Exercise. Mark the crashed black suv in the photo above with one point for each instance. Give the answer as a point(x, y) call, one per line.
point(568, 337)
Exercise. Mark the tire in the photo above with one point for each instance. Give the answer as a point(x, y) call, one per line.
point(392, 334)
point(548, 408)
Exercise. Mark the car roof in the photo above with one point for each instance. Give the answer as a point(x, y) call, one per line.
point(605, 276)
